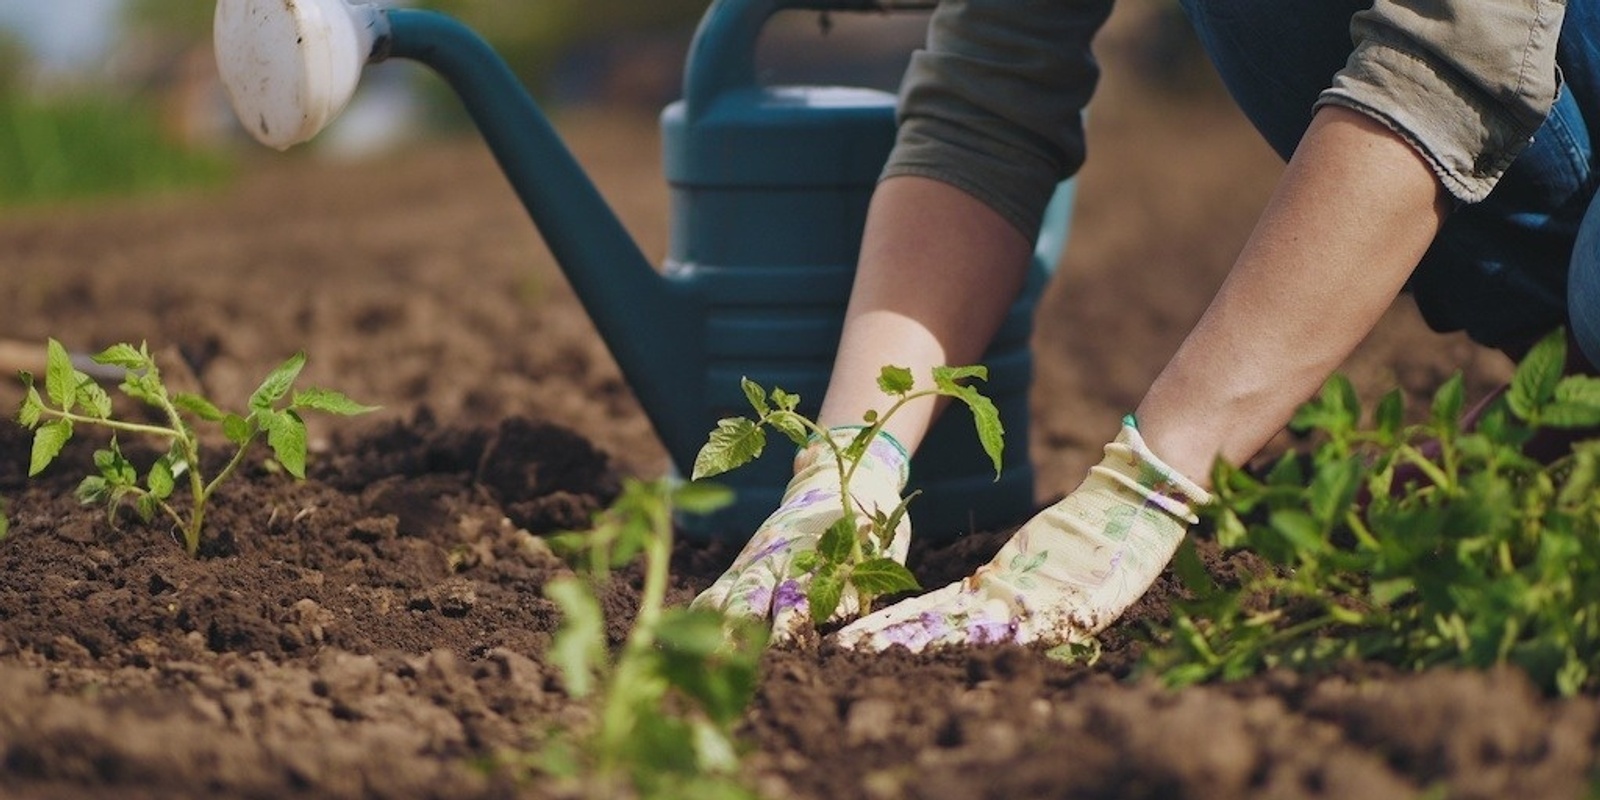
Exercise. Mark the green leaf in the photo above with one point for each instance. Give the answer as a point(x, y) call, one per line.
point(146, 506)
point(755, 394)
point(329, 402)
point(827, 589)
point(60, 379)
point(896, 381)
point(1534, 383)
point(736, 442)
point(579, 646)
point(93, 490)
point(881, 576)
point(198, 406)
point(1299, 529)
point(701, 497)
point(286, 435)
point(1191, 571)
point(948, 377)
point(1560, 414)
point(160, 480)
point(48, 439)
point(126, 356)
point(5, 523)
point(791, 425)
point(838, 541)
point(986, 418)
point(237, 428)
point(276, 385)
point(1390, 415)
point(93, 399)
point(32, 405)
point(1448, 402)
point(783, 400)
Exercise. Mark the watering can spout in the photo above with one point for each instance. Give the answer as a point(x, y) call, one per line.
point(290, 66)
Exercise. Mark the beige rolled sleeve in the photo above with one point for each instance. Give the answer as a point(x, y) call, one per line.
point(994, 104)
point(1467, 82)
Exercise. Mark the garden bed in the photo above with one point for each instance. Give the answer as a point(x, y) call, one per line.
point(379, 630)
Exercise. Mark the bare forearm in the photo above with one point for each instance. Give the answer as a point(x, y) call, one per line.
point(938, 270)
point(1354, 212)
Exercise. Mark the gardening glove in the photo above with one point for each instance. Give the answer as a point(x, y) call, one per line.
point(761, 582)
point(1067, 574)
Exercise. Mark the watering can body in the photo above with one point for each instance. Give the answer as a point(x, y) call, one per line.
point(769, 188)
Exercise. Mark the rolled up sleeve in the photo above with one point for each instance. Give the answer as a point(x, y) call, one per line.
point(1467, 82)
point(993, 105)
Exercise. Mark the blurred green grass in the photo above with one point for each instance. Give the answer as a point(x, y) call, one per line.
point(80, 145)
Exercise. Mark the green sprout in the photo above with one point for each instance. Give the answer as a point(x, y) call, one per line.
point(849, 554)
point(72, 398)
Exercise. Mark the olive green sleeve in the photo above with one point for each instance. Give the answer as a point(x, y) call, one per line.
point(994, 104)
point(1467, 82)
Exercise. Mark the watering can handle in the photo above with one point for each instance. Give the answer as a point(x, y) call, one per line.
point(722, 55)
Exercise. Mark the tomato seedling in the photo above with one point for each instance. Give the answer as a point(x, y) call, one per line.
point(72, 398)
point(851, 551)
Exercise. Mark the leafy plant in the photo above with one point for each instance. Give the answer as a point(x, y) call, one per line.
point(849, 553)
point(72, 398)
point(665, 706)
point(1416, 545)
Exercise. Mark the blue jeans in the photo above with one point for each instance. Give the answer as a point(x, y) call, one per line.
point(1507, 270)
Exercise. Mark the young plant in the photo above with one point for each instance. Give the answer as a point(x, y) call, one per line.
point(666, 704)
point(849, 554)
point(1418, 546)
point(71, 398)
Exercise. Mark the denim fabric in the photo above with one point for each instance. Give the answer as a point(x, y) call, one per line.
point(1500, 268)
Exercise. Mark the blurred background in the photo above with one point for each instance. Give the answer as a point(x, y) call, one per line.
point(105, 97)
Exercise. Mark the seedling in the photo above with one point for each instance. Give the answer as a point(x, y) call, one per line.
point(72, 398)
point(1481, 556)
point(851, 551)
point(665, 706)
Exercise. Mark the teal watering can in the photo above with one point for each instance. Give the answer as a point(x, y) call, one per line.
point(769, 190)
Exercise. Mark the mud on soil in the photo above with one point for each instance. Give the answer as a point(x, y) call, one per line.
point(378, 630)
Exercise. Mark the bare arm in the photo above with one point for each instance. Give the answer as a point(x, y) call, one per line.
point(938, 271)
point(1352, 215)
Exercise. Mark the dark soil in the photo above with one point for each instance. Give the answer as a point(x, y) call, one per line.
point(379, 629)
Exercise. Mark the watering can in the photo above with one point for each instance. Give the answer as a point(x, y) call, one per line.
point(769, 189)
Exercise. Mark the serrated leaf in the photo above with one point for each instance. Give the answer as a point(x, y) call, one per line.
point(124, 355)
point(895, 380)
point(286, 435)
point(824, 594)
point(837, 541)
point(198, 406)
point(146, 506)
point(579, 646)
point(804, 562)
point(48, 439)
point(32, 406)
point(1534, 382)
point(735, 442)
point(60, 379)
point(160, 481)
point(755, 394)
point(93, 490)
point(143, 386)
point(1191, 571)
point(1561, 414)
point(276, 385)
point(791, 425)
point(881, 576)
point(949, 377)
point(783, 400)
point(237, 428)
point(329, 402)
point(93, 398)
point(701, 497)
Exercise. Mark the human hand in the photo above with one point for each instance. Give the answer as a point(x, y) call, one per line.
point(761, 582)
point(1067, 574)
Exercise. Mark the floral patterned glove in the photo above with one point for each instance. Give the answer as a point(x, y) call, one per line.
point(761, 583)
point(1067, 574)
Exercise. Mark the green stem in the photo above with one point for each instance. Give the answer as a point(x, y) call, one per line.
point(117, 425)
point(616, 721)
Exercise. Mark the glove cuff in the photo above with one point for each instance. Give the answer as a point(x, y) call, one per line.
point(884, 455)
point(1131, 461)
